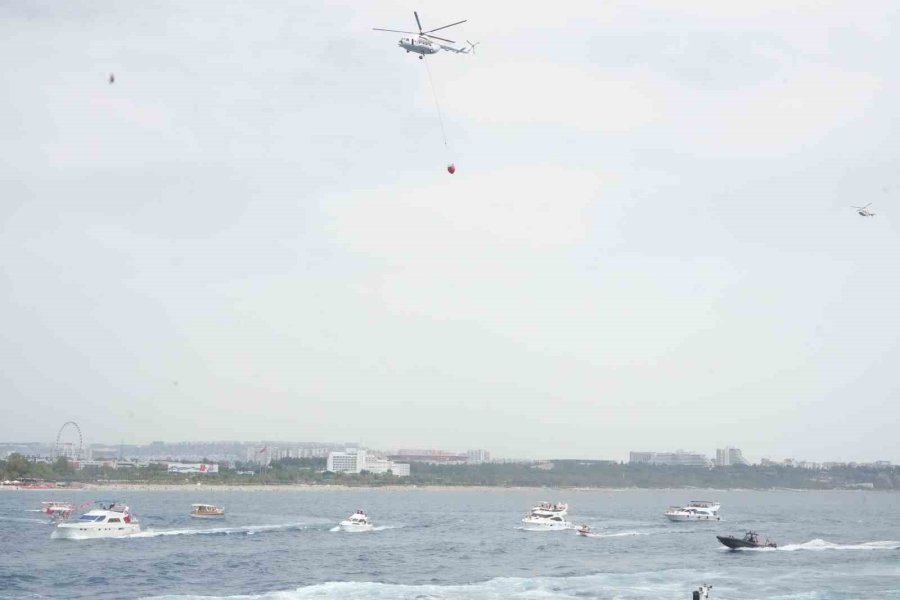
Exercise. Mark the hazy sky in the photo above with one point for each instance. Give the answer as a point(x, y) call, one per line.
point(648, 243)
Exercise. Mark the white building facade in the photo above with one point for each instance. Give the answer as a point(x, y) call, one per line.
point(478, 457)
point(725, 457)
point(354, 460)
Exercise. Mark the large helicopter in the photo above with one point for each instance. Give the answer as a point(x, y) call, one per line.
point(422, 43)
point(864, 211)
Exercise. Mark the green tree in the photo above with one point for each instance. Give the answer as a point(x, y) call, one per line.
point(62, 467)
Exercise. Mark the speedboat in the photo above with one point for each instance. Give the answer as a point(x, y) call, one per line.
point(750, 540)
point(112, 519)
point(696, 510)
point(584, 530)
point(207, 511)
point(58, 511)
point(358, 521)
point(547, 517)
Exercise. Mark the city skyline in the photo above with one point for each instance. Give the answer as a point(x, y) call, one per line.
point(648, 243)
point(271, 449)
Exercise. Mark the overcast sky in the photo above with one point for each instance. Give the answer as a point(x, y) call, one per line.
point(648, 245)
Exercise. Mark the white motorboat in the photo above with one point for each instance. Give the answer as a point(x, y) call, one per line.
point(207, 511)
point(696, 510)
point(110, 520)
point(358, 521)
point(584, 530)
point(547, 517)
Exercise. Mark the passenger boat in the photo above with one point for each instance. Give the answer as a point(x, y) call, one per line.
point(696, 510)
point(547, 517)
point(207, 511)
point(358, 521)
point(750, 540)
point(112, 519)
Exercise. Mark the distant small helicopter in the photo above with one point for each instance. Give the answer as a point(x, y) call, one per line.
point(864, 211)
point(423, 44)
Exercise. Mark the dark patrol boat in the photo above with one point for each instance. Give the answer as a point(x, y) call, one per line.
point(750, 540)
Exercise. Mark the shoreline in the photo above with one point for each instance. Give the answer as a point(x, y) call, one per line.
point(305, 487)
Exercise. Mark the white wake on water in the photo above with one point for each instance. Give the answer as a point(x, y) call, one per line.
point(25, 520)
point(639, 586)
point(376, 528)
point(246, 530)
point(617, 534)
point(820, 544)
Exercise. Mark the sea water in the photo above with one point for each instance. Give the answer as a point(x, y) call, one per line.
point(464, 544)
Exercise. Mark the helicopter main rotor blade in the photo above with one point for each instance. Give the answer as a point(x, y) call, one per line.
point(393, 30)
point(419, 23)
point(428, 35)
point(446, 26)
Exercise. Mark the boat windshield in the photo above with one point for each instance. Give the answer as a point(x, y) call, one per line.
point(91, 518)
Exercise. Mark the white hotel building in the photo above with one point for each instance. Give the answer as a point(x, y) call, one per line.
point(354, 460)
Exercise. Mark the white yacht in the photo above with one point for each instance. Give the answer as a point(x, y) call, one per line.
point(110, 520)
point(696, 510)
point(546, 517)
point(358, 521)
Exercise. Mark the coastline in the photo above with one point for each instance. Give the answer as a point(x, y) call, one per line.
point(306, 487)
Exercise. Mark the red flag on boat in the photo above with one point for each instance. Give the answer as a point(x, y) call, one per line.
point(265, 449)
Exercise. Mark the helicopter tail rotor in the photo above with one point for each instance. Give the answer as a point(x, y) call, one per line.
point(471, 47)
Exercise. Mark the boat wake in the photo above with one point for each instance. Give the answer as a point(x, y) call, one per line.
point(25, 520)
point(819, 544)
point(245, 530)
point(376, 528)
point(646, 586)
point(616, 534)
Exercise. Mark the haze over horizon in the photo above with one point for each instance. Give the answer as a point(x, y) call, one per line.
point(648, 245)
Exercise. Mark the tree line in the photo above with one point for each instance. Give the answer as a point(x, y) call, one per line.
point(556, 473)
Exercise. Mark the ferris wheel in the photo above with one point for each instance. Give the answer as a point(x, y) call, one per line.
point(69, 442)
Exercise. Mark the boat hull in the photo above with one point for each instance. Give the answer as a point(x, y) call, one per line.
point(221, 516)
point(737, 543)
point(529, 525)
point(354, 527)
point(678, 518)
point(78, 531)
